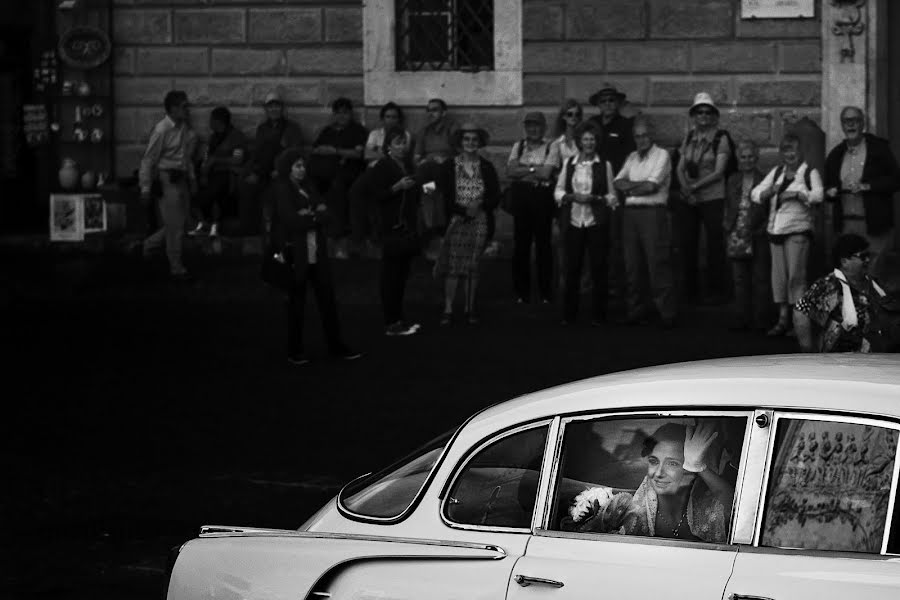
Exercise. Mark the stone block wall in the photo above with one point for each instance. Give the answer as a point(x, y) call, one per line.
point(232, 52)
point(662, 52)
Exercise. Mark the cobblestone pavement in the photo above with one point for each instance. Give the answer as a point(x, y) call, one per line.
point(140, 409)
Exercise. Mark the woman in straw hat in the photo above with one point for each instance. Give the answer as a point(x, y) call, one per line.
point(471, 191)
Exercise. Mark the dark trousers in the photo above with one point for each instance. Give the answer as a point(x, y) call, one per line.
point(752, 285)
point(323, 290)
point(688, 219)
point(394, 275)
point(255, 205)
point(533, 224)
point(212, 197)
point(593, 241)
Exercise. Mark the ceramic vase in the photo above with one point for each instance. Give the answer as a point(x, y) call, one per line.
point(88, 180)
point(68, 175)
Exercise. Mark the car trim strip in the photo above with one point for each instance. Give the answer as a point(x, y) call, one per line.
point(635, 539)
point(551, 459)
point(215, 531)
point(820, 416)
point(461, 467)
point(753, 470)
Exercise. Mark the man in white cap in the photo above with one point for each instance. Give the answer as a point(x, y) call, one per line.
point(706, 159)
point(273, 136)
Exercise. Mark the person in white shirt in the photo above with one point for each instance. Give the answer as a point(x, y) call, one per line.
point(530, 168)
point(167, 159)
point(646, 229)
point(791, 188)
point(584, 190)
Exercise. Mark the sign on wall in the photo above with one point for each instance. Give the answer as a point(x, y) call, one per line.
point(777, 9)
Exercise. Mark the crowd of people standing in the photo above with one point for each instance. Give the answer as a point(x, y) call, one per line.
point(616, 201)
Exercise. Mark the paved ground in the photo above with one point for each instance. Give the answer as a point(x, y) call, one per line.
point(137, 410)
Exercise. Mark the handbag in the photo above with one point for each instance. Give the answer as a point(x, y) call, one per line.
point(277, 268)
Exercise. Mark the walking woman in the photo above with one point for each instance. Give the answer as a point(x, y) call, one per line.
point(584, 190)
point(790, 188)
point(530, 167)
point(301, 219)
point(393, 192)
point(471, 191)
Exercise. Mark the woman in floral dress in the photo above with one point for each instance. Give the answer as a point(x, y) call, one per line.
point(471, 191)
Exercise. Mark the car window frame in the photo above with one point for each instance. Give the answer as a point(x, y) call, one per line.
point(472, 453)
point(548, 487)
point(833, 417)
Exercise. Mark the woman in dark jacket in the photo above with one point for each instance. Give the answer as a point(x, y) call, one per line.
point(471, 191)
point(301, 219)
point(390, 186)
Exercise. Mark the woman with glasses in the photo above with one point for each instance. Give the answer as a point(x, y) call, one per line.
point(790, 189)
point(705, 154)
point(567, 121)
point(471, 191)
point(835, 315)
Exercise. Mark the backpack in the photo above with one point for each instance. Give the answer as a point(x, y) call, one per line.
point(806, 175)
point(732, 165)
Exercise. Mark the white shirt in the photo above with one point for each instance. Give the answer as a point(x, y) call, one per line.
point(167, 149)
point(376, 142)
point(851, 172)
point(655, 167)
point(582, 182)
point(563, 151)
point(790, 217)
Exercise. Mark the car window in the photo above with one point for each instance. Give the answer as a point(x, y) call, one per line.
point(388, 493)
point(498, 486)
point(829, 485)
point(670, 477)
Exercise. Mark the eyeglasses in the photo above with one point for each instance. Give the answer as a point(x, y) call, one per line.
point(471, 138)
point(433, 109)
point(851, 121)
point(864, 256)
point(574, 114)
point(705, 112)
point(608, 100)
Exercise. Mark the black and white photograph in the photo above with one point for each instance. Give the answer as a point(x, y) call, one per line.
point(450, 299)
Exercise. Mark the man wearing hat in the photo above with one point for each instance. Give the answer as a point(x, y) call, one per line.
point(274, 135)
point(615, 143)
point(530, 166)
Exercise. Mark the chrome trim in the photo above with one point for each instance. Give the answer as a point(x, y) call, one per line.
point(635, 539)
point(892, 500)
point(830, 418)
point(526, 580)
point(461, 466)
point(816, 553)
point(344, 511)
point(551, 452)
point(214, 531)
point(748, 489)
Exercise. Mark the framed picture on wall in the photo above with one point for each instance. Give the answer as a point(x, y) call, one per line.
point(94, 213)
point(778, 9)
point(66, 218)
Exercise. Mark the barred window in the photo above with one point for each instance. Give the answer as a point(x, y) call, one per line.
point(445, 35)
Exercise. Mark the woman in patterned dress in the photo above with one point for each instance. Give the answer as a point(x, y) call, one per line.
point(471, 191)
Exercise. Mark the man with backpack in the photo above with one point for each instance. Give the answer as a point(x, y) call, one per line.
point(530, 168)
point(707, 158)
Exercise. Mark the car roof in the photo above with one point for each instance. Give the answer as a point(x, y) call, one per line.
point(861, 383)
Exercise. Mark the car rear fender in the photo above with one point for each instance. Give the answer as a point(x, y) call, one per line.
point(230, 563)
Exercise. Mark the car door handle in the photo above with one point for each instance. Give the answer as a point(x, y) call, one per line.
point(525, 581)
point(746, 597)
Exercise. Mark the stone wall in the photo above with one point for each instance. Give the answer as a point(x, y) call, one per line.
point(232, 52)
point(659, 51)
point(664, 51)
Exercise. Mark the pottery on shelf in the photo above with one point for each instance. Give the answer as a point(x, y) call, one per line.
point(68, 175)
point(88, 180)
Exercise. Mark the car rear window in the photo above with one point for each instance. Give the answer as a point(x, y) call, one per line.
point(389, 493)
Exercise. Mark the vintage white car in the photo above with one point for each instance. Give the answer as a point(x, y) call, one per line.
point(750, 478)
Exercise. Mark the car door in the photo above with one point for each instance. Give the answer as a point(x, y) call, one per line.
point(827, 525)
point(615, 553)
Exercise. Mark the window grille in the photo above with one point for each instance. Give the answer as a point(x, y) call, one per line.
point(445, 35)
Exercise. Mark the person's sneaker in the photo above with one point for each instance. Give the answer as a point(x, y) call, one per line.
point(199, 229)
point(414, 327)
point(214, 230)
point(398, 329)
point(446, 319)
point(298, 359)
point(346, 353)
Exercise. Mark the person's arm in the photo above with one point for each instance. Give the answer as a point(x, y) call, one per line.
point(291, 219)
point(491, 186)
point(373, 149)
point(803, 327)
point(697, 442)
point(658, 172)
point(149, 161)
point(611, 198)
point(723, 152)
point(816, 192)
point(765, 190)
point(559, 192)
point(680, 172)
point(513, 169)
